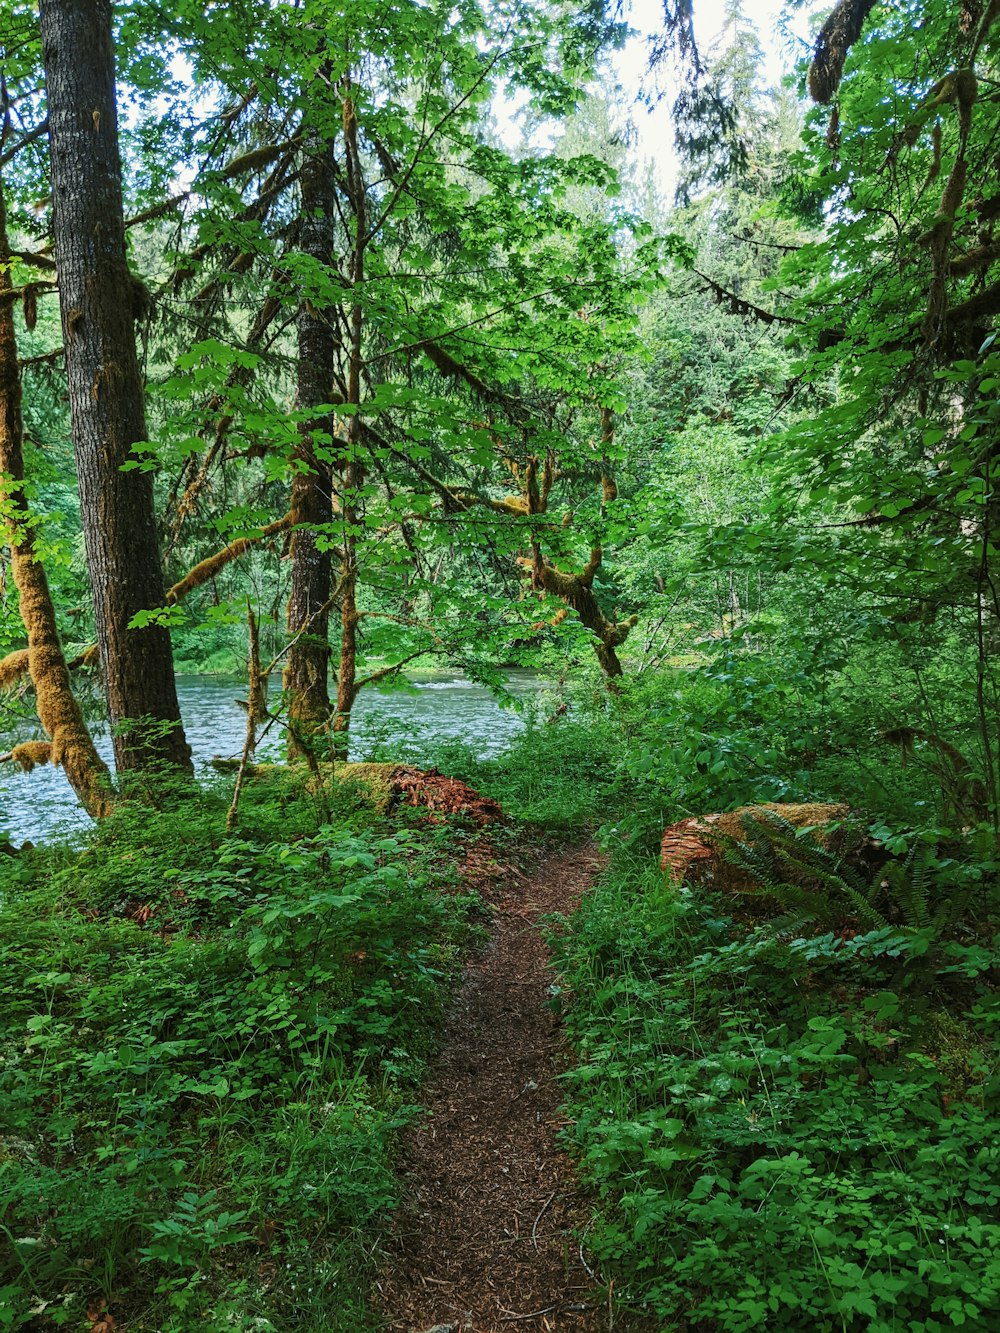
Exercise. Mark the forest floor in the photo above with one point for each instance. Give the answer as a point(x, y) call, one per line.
point(487, 1236)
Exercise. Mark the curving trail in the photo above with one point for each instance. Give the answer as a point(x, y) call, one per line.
point(482, 1242)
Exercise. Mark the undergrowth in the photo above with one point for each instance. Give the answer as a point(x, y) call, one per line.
point(786, 1132)
point(558, 774)
point(208, 1045)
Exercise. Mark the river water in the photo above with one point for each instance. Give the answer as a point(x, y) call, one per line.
point(442, 706)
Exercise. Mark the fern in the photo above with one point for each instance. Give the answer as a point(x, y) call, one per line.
point(812, 884)
point(910, 883)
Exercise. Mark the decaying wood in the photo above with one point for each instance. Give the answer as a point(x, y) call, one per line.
point(694, 849)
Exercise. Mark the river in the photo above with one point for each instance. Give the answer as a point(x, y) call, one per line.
point(443, 706)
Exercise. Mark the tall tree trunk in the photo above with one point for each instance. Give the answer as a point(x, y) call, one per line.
point(97, 297)
point(58, 711)
point(308, 663)
point(352, 475)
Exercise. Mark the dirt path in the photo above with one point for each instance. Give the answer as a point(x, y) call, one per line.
point(482, 1241)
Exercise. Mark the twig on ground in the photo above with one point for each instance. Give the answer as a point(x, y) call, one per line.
point(534, 1229)
point(590, 1272)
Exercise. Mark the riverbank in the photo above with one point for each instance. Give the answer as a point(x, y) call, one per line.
point(439, 708)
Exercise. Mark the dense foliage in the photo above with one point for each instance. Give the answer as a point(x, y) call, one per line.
point(723, 472)
point(209, 1045)
point(785, 1132)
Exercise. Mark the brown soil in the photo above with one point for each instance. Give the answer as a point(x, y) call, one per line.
point(484, 1240)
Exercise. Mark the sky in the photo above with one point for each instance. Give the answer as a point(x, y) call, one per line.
point(784, 38)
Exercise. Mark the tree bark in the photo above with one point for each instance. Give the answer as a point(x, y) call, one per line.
point(58, 711)
point(351, 473)
point(97, 297)
point(308, 662)
point(577, 590)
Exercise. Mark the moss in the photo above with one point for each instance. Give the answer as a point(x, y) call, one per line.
point(29, 754)
point(211, 566)
point(13, 668)
point(838, 34)
point(959, 1051)
point(58, 711)
point(374, 780)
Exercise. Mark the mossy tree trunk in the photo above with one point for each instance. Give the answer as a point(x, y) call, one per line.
point(97, 296)
point(72, 745)
point(351, 473)
point(307, 664)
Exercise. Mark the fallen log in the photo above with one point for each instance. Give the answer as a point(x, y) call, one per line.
point(693, 851)
point(387, 785)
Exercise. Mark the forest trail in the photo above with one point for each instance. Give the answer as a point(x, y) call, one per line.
point(483, 1239)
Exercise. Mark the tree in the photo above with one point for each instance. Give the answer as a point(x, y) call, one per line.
point(899, 303)
point(99, 299)
point(459, 303)
point(70, 742)
point(307, 665)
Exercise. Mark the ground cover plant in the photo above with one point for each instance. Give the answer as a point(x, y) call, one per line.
point(209, 1043)
point(791, 1128)
point(561, 772)
point(388, 350)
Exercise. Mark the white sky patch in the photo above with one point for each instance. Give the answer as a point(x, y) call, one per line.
point(785, 39)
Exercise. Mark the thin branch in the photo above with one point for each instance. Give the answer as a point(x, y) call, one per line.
point(738, 306)
point(383, 672)
point(24, 141)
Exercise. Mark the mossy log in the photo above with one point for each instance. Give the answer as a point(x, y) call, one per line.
point(385, 785)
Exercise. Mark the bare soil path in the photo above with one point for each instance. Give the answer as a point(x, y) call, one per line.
point(483, 1241)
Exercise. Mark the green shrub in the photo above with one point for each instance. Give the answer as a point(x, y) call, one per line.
point(560, 774)
point(783, 1133)
point(206, 1044)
